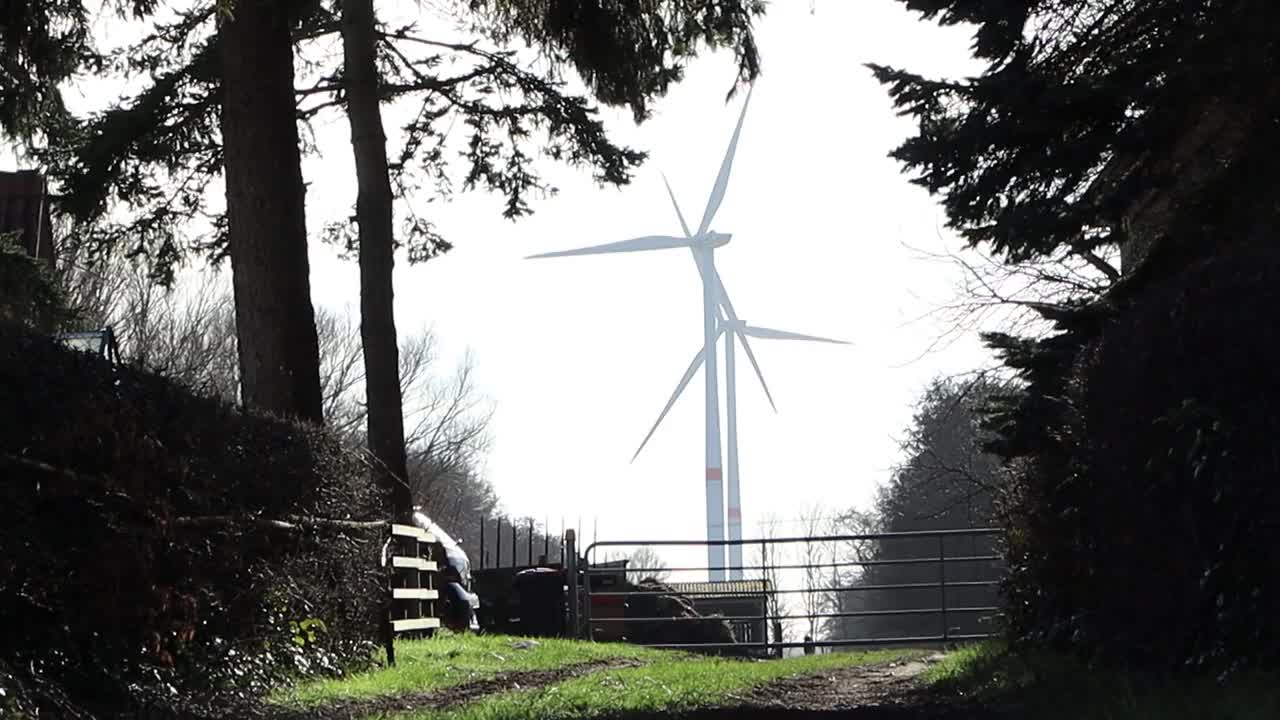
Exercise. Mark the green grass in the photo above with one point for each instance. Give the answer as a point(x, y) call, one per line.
point(448, 659)
point(980, 666)
point(1046, 687)
point(671, 685)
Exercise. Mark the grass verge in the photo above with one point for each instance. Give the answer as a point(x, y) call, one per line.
point(673, 685)
point(1047, 687)
point(448, 659)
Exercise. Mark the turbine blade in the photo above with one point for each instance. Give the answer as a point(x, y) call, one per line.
point(771, 334)
point(722, 180)
point(724, 299)
point(640, 244)
point(683, 225)
point(688, 375)
point(746, 346)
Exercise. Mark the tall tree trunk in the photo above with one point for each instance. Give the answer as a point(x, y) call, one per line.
point(275, 323)
point(377, 252)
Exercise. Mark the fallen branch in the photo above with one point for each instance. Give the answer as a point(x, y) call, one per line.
point(46, 468)
point(293, 523)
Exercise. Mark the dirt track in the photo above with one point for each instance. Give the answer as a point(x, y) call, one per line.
point(878, 692)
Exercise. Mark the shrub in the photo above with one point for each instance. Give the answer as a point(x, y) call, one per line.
point(140, 552)
point(1145, 505)
point(29, 294)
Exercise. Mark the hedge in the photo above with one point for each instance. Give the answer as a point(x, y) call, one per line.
point(159, 548)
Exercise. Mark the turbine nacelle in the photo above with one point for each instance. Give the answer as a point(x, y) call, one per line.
point(711, 239)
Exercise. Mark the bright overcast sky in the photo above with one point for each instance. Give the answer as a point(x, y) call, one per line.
point(580, 354)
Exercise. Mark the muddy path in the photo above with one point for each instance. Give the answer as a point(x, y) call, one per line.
point(890, 691)
point(886, 691)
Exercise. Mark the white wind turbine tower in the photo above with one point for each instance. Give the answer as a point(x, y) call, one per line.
point(719, 318)
point(703, 244)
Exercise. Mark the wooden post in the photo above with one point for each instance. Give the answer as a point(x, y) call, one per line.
point(413, 591)
point(389, 606)
point(427, 606)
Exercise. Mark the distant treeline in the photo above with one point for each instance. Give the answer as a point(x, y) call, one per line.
point(945, 482)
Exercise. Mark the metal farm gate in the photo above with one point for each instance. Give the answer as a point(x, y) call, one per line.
point(794, 594)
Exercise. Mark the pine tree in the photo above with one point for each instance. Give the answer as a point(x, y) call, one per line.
point(1139, 125)
point(138, 174)
point(1078, 113)
point(266, 216)
point(43, 43)
point(375, 216)
point(946, 481)
point(46, 44)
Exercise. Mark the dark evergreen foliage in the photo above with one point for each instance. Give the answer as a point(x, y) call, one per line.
point(42, 44)
point(138, 562)
point(138, 174)
point(627, 52)
point(1140, 480)
point(29, 292)
point(1073, 85)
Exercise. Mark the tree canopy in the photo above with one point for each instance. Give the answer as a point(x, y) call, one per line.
point(1081, 106)
point(42, 45)
point(627, 52)
point(1139, 125)
point(138, 173)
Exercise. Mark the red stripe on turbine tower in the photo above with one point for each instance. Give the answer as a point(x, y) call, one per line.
point(713, 473)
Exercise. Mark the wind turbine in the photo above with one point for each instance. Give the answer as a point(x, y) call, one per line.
point(739, 331)
point(702, 244)
point(736, 331)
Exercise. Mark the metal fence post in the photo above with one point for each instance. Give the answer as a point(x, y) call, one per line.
point(942, 583)
point(570, 551)
point(765, 621)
